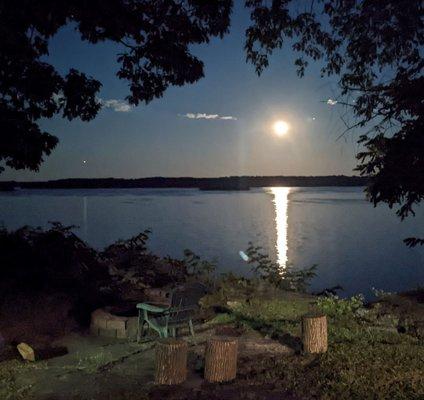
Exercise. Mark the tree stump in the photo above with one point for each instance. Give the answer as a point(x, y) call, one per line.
point(221, 359)
point(314, 333)
point(171, 361)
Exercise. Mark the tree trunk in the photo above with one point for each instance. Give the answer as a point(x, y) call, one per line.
point(314, 333)
point(171, 362)
point(221, 359)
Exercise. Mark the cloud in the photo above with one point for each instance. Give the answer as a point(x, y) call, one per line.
point(228, 117)
point(116, 105)
point(208, 116)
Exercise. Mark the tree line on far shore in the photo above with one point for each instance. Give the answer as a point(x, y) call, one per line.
point(221, 183)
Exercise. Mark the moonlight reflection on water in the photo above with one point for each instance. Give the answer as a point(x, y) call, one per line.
point(281, 201)
point(354, 244)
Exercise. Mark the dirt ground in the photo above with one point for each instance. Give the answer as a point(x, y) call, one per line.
point(270, 365)
point(93, 368)
point(101, 368)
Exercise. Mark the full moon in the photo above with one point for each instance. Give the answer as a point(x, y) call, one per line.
point(281, 128)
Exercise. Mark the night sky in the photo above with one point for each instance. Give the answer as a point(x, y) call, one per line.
point(184, 133)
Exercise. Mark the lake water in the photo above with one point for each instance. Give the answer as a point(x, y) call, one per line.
point(353, 243)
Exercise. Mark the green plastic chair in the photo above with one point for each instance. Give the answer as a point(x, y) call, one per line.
point(165, 320)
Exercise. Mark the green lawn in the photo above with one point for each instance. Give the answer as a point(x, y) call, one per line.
point(364, 360)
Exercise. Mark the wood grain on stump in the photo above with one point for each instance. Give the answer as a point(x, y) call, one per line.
point(221, 359)
point(314, 333)
point(171, 362)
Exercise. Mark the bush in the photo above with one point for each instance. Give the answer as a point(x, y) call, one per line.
point(286, 278)
point(35, 259)
point(198, 269)
point(334, 307)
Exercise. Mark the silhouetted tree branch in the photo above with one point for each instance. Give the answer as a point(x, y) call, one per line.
point(375, 48)
point(155, 36)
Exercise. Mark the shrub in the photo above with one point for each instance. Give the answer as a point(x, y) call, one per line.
point(335, 307)
point(286, 278)
point(198, 269)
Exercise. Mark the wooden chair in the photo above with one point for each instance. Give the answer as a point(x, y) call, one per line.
point(165, 320)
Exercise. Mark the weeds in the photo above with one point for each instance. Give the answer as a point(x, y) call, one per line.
point(92, 363)
point(334, 307)
point(286, 278)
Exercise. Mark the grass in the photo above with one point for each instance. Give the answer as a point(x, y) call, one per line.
point(274, 310)
point(271, 317)
point(93, 362)
point(9, 370)
point(12, 387)
point(370, 361)
point(222, 319)
point(363, 361)
point(259, 312)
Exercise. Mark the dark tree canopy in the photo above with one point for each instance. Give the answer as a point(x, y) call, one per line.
point(376, 49)
point(155, 36)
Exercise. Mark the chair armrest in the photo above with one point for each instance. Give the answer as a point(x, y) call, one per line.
point(151, 308)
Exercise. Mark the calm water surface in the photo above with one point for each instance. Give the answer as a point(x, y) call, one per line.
point(353, 243)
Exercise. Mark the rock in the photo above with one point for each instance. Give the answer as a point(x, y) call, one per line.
point(26, 351)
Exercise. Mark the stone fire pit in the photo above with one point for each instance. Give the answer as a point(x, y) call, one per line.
point(108, 323)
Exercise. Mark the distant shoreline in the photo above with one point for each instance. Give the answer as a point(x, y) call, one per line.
point(221, 183)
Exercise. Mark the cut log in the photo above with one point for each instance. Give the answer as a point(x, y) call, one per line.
point(171, 361)
point(221, 359)
point(38, 353)
point(314, 333)
point(26, 351)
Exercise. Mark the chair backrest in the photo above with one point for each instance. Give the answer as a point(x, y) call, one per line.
point(185, 296)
